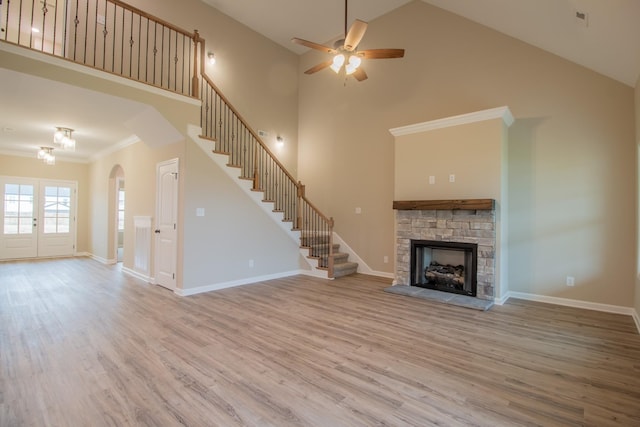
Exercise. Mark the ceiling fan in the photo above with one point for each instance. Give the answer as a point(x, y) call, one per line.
point(347, 57)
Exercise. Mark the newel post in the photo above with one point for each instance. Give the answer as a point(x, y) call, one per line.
point(330, 259)
point(256, 175)
point(300, 195)
point(194, 80)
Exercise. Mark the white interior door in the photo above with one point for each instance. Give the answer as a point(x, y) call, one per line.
point(166, 233)
point(19, 237)
point(38, 218)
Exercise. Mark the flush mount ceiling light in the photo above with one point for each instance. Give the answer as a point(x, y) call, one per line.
point(46, 155)
point(63, 137)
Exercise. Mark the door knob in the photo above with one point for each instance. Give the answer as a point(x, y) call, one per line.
point(157, 231)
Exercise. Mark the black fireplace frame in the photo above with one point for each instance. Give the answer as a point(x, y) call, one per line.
point(415, 272)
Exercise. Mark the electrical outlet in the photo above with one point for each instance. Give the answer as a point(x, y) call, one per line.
point(358, 210)
point(582, 18)
point(250, 263)
point(452, 178)
point(386, 259)
point(571, 281)
point(432, 180)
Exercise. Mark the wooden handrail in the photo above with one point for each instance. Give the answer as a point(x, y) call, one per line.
point(238, 115)
point(151, 17)
point(323, 216)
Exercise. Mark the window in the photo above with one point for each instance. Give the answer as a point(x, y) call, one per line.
point(120, 210)
point(18, 209)
point(57, 208)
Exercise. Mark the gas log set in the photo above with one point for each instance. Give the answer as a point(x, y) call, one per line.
point(449, 276)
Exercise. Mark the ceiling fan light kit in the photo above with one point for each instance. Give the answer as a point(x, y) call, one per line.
point(346, 56)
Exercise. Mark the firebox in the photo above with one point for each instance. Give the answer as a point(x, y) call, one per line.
point(445, 266)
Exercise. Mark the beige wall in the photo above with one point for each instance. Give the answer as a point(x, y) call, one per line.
point(65, 171)
point(637, 98)
point(571, 154)
point(472, 152)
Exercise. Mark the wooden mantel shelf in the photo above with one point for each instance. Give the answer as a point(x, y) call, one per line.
point(428, 205)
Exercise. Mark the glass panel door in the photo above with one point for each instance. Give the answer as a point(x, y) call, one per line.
point(18, 238)
point(37, 218)
point(57, 227)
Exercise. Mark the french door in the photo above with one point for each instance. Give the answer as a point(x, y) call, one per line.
point(37, 218)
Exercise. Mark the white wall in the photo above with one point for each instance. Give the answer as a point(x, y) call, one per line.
point(234, 230)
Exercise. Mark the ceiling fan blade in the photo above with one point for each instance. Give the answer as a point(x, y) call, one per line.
point(360, 75)
point(355, 34)
point(381, 53)
point(313, 45)
point(320, 66)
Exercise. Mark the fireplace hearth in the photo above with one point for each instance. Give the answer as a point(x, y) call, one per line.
point(444, 266)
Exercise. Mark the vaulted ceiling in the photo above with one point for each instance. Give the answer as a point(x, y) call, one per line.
point(607, 40)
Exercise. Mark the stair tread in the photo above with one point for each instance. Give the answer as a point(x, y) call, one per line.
point(345, 265)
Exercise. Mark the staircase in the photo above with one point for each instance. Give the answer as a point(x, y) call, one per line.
point(318, 246)
point(316, 242)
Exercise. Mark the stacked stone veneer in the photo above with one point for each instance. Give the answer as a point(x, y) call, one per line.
point(466, 226)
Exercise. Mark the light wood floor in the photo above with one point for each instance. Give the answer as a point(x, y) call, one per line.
point(82, 344)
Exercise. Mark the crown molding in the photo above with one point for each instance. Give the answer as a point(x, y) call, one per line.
point(494, 113)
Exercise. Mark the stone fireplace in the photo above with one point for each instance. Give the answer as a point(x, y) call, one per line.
point(443, 168)
point(468, 222)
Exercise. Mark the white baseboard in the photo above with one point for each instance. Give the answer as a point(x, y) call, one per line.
point(607, 308)
point(102, 260)
point(137, 275)
point(241, 282)
point(501, 300)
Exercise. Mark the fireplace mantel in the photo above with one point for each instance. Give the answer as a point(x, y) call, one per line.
point(428, 205)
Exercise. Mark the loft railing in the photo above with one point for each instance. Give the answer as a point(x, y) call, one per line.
point(108, 35)
point(118, 38)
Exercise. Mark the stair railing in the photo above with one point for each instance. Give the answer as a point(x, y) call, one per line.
point(109, 35)
point(117, 38)
point(223, 124)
